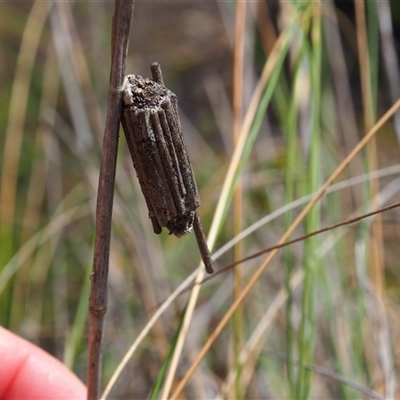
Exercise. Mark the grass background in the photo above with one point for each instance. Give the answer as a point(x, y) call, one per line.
point(295, 85)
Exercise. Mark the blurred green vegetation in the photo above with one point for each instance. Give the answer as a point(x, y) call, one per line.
point(321, 322)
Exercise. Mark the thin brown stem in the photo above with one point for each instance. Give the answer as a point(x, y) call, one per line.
point(98, 294)
point(293, 241)
point(238, 65)
point(376, 256)
point(202, 243)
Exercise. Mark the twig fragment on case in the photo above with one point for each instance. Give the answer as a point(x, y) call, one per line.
point(153, 131)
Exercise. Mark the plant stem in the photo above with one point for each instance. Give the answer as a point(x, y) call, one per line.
point(98, 294)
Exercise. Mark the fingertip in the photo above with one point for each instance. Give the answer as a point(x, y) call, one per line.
point(28, 372)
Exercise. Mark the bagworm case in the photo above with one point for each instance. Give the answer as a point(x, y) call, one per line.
point(153, 131)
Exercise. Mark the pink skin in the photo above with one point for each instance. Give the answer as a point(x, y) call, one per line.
point(28, 372)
